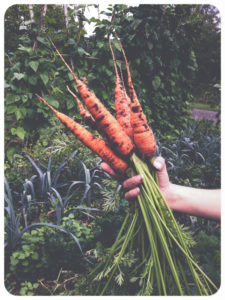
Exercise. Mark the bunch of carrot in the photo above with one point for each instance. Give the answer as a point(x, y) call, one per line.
point(127, 145)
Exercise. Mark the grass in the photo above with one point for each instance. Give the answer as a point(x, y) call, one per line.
point(204, 106)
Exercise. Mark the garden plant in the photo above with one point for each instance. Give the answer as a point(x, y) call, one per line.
point(68, 228)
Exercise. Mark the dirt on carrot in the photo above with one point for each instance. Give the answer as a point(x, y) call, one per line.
point(94, 143)
point(117, 137)
point(85, 114)
point(122, 106)
point(143, 135)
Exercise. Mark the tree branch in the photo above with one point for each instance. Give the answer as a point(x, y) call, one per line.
point(43, 13)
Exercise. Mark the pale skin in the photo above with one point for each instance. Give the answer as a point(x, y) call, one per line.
point(193, 201)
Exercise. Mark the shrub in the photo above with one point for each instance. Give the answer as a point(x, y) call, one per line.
point(194, 158)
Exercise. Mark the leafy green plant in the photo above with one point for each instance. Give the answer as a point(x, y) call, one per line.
point(208, 251)
point(190, 157)
point(28, 289)
point(13, 226)
point(42, 252)
point(162, 75)
point(46, 180)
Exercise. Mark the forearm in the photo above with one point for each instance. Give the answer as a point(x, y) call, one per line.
point(194, 201)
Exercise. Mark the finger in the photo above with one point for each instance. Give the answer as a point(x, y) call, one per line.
point(105, 167)
point(132, 193)
point(163, 177)
point(159, 163)
point(133, 182)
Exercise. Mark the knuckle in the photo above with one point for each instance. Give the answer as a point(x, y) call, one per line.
point(132, 182)
point(132, 193)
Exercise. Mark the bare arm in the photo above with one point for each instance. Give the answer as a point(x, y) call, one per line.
point(196, 202)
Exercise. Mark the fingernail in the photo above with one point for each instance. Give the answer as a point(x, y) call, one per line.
point(157, 165)
point(140, 177)
point(137, 190)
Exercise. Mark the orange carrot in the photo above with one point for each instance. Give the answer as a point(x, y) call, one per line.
point(127, 97)
point(124, 89)
point(121, 104)
point(86, 116)
point(94, 143)
point(143, 136)
point(114, 132)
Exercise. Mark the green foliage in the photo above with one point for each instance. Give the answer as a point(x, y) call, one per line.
point(208, 251)
point(190, 157)
point(56, 250)
point(43, 252)
point(205, 21)
point(208, 94)
point(161, 60)
point(171, 48)
point(28, 72)
point(163, 74)
point(28, 289)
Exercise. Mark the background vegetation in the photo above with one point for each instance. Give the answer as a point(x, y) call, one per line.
point(174, 54)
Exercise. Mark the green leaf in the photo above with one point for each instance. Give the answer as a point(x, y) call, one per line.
point(52, 101)
point(42, 40)
point(15, 254)
point(19, 131)
point(24, 98)
point(18, 76)
point(25, 263)
point(70, 76)
point(11, 109)
point(108, 72)
point(16, 98)
point(32, 80)
point(133, 279)
point(13, 261)
point(34, 65)
point(29, 50)
point(18, 114)
point(22, 256)
point(81, 51)
point(100, 44)
point(9, 98)
point(156, 82)
point(150, 45)
point(71, 42)
point(70, 103)
point(119, 278)
point(23, 291)
point(35, 256)
point(44, 78)
point(116, 45)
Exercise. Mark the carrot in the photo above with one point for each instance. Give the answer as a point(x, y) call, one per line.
point(94, 143)
point(86, 116)
point(143, 136)
point(113, 130)
point(121, 104)
point(127, 97)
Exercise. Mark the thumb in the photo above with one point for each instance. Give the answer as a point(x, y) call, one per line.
point(163, 177)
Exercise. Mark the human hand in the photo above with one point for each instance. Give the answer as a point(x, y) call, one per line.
point(131, 184)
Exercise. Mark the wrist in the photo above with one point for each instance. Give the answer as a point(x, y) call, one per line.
point(172, 196)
